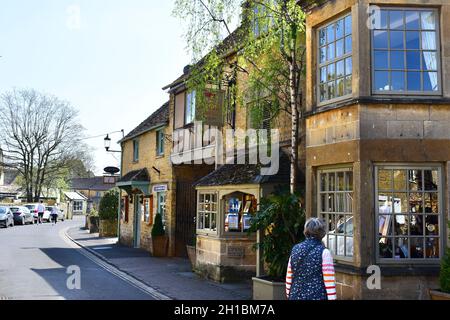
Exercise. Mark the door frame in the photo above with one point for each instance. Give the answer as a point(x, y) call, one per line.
point(137, 214)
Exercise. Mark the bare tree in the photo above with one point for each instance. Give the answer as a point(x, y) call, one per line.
point(39, 136)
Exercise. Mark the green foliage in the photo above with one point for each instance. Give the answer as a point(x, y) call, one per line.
point(109, 204)
point(445, 272)
point(281, 217)
point(158, 227)
point(94, 213)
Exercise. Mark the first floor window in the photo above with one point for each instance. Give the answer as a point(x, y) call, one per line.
point(336, 209)
point(189, 115)
point(135, 150)
point(160, 142)
point(207, 212)
point(409, 212)
point(78, 206)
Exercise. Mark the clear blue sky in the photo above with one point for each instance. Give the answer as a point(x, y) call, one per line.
point(110, 61)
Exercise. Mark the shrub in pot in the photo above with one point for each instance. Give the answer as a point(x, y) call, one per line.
point(108, 209)
point(159, 239)
point(281, 219)
point(93, 222)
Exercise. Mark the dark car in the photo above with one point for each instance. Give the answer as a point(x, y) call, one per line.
point(6, 217)
point(22, 215)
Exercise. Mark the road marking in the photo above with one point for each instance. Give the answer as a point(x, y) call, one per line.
point(110, 268)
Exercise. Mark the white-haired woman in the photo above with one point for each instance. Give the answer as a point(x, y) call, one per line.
point(310, 274)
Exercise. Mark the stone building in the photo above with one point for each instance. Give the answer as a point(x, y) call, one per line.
point(147, 183)
point(378, 140)
point(93, 189)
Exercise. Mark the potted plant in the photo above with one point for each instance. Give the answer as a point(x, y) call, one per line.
point(108, 208)
point(159, 239)
point(444, 280)
point(93, 221)
point(280, 220)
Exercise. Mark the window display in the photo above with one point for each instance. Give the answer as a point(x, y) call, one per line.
point(408, 213)
point(239, 209)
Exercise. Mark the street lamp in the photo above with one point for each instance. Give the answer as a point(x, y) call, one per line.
point(107, 142)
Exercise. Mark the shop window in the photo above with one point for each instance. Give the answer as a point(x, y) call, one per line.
point(239, 210)
point(335, 60)
point(409, 213)
point(405, 52)
point(78, 206)
point(336, 209)
point(207, 212)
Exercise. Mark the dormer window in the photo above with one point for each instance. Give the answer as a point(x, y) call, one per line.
point(335, 60)
point(405, 52)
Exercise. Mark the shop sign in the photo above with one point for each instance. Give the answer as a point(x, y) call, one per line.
point(235, 252)
point(160, 188)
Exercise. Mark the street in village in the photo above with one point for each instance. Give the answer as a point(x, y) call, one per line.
point(35, 259)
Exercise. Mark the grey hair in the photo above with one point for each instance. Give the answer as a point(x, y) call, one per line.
point(314, 228)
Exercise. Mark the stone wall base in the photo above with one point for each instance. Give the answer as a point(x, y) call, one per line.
point(224, 274)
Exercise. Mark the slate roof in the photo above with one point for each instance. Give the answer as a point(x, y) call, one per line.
point(95, 184)
point(236, 174)
point(74, 196)
point(140, 175)
point(158, 118)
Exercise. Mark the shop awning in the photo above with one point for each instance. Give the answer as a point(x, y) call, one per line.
point(137, 179)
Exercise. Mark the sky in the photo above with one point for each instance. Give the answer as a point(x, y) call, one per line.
point(108, 58)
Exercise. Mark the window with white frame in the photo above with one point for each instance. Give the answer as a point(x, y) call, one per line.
point(336, 209)
point(207, 212)
point(408, 213)
point(78, 206)
point(405, 51)
point(335, 60)
point(189, 115)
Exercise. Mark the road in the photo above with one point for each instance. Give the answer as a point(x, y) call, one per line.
point(34, 261)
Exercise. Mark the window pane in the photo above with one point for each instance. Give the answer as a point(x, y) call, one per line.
point(381, 80)
point(340, 29)
point(396, 20)
point(385, 225)
point(340, 72)
point(413, 60)
point(331, 53)
point(431, 203)
point(331, 72)
point(322, 37)
point(330, 33)
point(415, 180)
point(412, 40)
point(400, 203)
point(385, 179)
point(428, 20)
point(341, 181)
point(416, 202)
point(398, 81)
point(386, 248)
point(397, 40)
point(348, 25)
point(331, 182)
point(340, 202)
point(330, 204)
point(432, 248)
point(429, 61)
point(432, 225)
point(349, 181)
point(429, 40)
point(323, 92)
point(323, 74)
point(384, 203)
point(323, 54)
point(340, 87)
point(416, 225)
point(412, 20)
point(348, 66)
point(348, 44)
point(399, 180)
point(348, 85)
point(430, 81)
point(401, 248)
point(414, 81)
point(381, 60)
point(431, 180)
point(401, 224)
point(331, 88)
point(380, 40)
point(398, 60)
point(339, 48)
point(417, 251)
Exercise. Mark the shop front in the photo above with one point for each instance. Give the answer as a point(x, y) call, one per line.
point(227, 199)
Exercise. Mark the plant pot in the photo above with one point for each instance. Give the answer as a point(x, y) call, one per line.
point(108, 228)
point(94, 223)
point(192, 254)
point(439, 295)
point(159, 246)
point(265, 289)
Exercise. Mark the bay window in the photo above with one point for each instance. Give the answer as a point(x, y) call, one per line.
point(405, 52)
point(336, 209)
point(408, 213)
point(207, 212)
point(335, 60)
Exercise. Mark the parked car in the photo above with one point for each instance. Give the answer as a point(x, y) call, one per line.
point(60, 212)
point(47, 217)
point(6, 217)
point(34, 211)
point(22, 215)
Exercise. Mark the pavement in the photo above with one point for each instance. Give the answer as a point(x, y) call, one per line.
point(38, 262)
point(172, 278)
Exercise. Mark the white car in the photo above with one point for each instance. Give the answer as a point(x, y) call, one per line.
point(34, 211)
